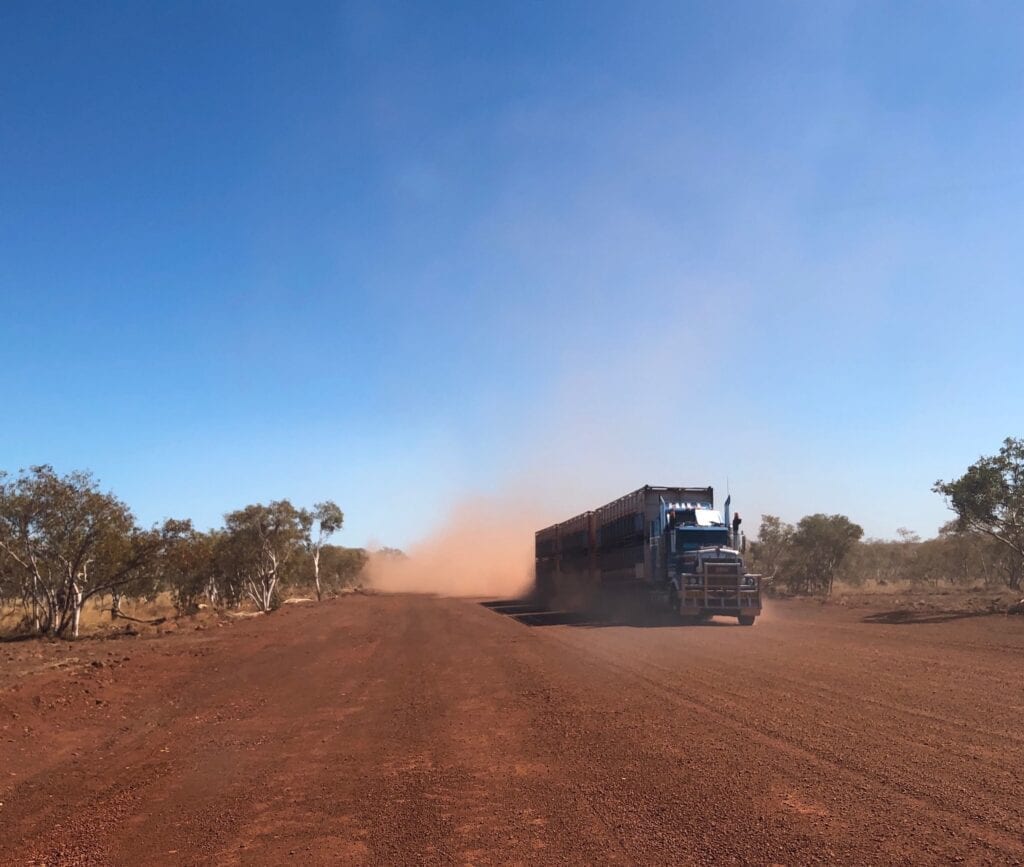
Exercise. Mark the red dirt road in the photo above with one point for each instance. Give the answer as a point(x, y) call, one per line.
point(406, 730)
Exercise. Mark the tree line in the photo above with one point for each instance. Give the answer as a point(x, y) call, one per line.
point(983, 543)
point(64, 542)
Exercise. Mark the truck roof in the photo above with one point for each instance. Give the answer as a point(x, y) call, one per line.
point(648, 500)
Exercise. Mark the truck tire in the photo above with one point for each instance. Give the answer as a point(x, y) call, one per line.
point(746, 619)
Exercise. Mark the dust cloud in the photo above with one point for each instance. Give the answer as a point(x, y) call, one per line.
point(484, 548)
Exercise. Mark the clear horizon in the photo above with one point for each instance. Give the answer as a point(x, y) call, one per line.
point(534, 254)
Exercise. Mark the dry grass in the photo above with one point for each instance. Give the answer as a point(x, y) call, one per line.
point(896, 588)
point(943, 596)
point(96, 613)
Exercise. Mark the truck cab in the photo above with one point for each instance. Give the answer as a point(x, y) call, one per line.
point(705, 574)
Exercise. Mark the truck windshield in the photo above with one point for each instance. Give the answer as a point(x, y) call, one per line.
point(709, 518)
point(700, 517)
point(691, 538)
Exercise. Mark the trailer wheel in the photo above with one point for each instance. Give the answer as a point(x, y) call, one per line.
point(746, 619)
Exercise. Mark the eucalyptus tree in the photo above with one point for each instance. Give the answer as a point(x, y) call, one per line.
point(191, 571)
point(988, 499)
point(259, 544)
point(819, 545)
point(323, 521)
point(772, 546)
point(64, 541)
point(340, 567)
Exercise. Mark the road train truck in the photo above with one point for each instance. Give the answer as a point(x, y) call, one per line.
point(664, 547)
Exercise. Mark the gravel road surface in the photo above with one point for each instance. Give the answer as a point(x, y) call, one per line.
point(410, 729)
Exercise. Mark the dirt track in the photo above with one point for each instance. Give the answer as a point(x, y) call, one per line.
point(403, 729)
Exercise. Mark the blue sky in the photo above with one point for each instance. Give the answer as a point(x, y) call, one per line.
point(402, 254)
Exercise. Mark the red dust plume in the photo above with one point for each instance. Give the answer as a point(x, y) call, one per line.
point(485, 548)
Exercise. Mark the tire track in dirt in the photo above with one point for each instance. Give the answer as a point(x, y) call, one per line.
point(847, 744)
point(1004, 830)
point(1003, 838)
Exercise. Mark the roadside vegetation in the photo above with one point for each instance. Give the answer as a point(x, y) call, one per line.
point(982, 546)
point(65, 544)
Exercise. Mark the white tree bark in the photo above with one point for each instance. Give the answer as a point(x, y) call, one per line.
point(76, 600)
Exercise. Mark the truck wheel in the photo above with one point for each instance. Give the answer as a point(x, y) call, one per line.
point(746, 619)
